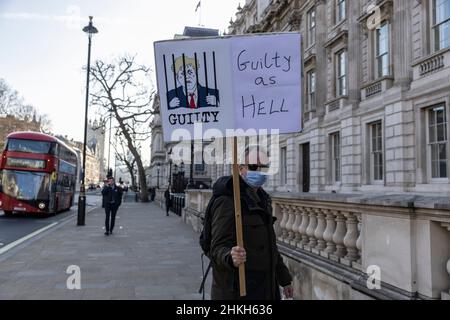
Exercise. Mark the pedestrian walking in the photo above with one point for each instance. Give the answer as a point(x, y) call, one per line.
point(153, 194)
point(264, 268)
point(112, 199)
point(168, 200)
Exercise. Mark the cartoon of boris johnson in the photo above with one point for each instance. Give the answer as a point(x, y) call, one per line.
point(197, 95)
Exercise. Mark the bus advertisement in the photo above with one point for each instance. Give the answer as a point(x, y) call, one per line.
point(38, 174)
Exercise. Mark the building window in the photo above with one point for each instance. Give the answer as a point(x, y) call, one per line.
point(376, 147)
point(283, 173)
point(341, 74)
point(311, 90)
point(441, 24)
point(335, 142)
point(382, 51)
point(311, 27)
point(340, 10)
point(437, 142)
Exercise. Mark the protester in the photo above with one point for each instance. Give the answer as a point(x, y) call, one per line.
point(112, 199)
point(264, 268)
point(153, 194)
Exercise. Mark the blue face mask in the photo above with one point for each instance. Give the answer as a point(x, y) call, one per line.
point(255, 179)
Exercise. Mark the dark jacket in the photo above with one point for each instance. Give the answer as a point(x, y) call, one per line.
point(264, 269)
point(201, 100)
point(112, 196)
point(167, 197)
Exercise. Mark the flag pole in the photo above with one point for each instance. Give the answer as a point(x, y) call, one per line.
point(200, 14)
point(238, 215)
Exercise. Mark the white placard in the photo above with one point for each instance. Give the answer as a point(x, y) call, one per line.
point(250, 82)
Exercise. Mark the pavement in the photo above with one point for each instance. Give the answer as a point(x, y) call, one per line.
point(150, 256)
point(20, 225)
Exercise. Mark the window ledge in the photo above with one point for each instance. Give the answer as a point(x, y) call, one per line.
point(373, 185)
point(432, 63)
point(439, 181)
point(310, 52)
point(376, 87)
point(339, 24)
point(336, 104)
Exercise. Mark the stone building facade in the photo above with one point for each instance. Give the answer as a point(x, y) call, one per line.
point(162, 170)
point(376, 94)
point(96, 143)
point(362, 192)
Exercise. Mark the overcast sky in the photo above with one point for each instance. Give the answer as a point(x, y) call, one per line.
point(43, 49)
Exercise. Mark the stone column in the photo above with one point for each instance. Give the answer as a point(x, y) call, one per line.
point(328, 234)
point(350, 239)
point(296, 226)
point(303, 227)
point(319, 233)
point(321, 56)
point(338, 237)
point(446, 295)
point(354, 50)
point(289, 225)
point(402, 42)
point(311, 229)
point(358, 263)
point(283, 233)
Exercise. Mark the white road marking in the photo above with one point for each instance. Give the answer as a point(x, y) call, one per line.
point(27, 237)
point(31, 235)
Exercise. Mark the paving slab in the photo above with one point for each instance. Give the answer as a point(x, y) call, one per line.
point(149, 256)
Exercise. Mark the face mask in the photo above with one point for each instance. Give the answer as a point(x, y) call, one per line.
point(255, 179)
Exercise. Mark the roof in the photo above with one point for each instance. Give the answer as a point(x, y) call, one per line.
point(200, 32)
point(37, 136)
point(30, 135)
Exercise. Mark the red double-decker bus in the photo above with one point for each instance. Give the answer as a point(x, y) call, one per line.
point(38, 174)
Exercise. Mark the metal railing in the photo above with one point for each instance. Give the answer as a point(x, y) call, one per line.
point(177, 203)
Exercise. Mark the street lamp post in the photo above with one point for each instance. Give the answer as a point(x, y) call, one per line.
point(158, 166)
point(170, 173)
point(90, 30)
point(175, 178)
point(182, 176)
point(109, 143)
point(191, 173)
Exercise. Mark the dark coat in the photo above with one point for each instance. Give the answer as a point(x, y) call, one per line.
point(201, 100)
point(265, 270)
point(112, 196)
point(167, 197)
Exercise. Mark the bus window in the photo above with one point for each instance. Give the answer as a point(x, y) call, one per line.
point(29, 146)
point(26, 185)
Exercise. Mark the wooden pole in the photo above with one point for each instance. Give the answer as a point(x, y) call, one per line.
point(238, 215)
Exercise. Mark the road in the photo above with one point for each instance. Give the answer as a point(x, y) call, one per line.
point(20, 225)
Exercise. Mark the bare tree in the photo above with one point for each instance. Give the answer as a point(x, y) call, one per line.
point(45, 123)
point(123, 89)
point(9, 98)
point(125, 156)
point(11, 103)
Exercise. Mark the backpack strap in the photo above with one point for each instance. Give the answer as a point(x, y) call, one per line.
point(205, 276)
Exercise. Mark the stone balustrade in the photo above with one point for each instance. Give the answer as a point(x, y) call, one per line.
point(446, 295)
point(340, 237)
point(434, 63)
point(195, 206)
point(331, 234)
